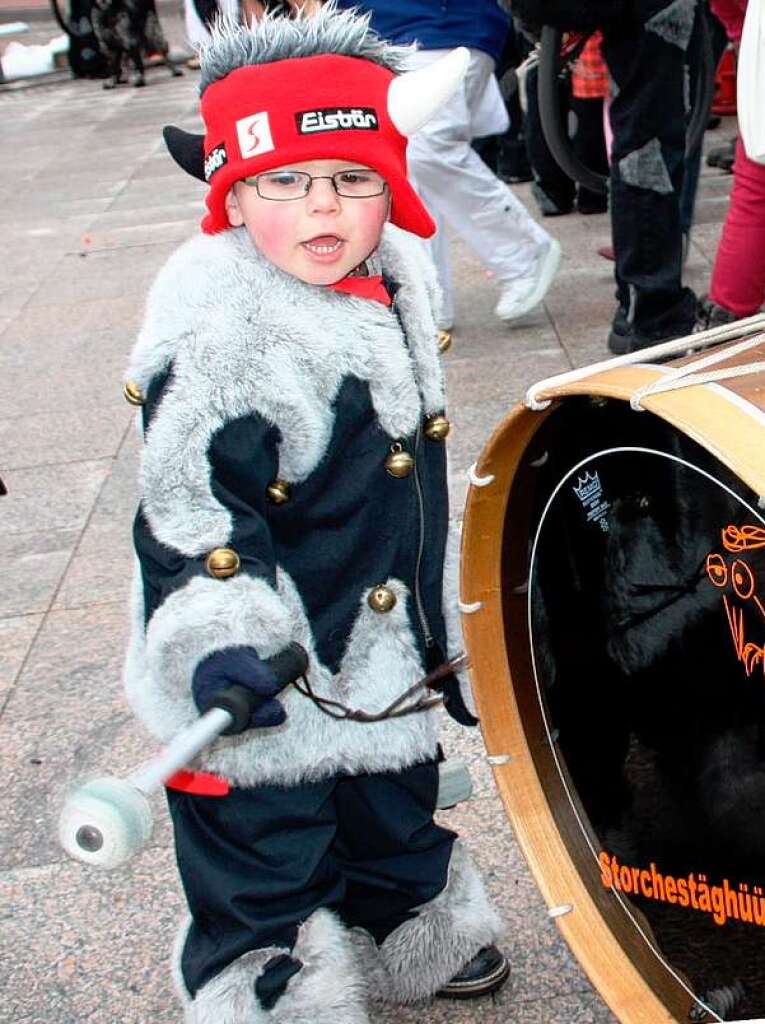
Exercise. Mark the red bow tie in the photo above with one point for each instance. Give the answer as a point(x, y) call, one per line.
point(364, 287)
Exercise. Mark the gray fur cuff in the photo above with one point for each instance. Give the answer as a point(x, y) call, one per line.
point(421, 955)
point(327, 990)
point(204, 616)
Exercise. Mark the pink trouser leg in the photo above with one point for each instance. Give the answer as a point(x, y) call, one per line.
point(738, 277)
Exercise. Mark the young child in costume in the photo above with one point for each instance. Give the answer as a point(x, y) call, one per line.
point(293, 489)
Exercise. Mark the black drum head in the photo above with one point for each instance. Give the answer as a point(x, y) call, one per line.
point(646, 609)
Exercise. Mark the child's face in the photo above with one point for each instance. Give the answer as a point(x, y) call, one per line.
point(320, 237)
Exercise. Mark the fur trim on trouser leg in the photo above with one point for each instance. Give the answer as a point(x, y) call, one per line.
point(327, 990)
point(175, 961)
point(421, 955)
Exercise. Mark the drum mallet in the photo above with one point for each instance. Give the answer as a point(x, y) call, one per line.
point(108, 820)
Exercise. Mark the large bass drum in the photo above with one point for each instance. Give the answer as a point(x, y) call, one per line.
point(613, 599)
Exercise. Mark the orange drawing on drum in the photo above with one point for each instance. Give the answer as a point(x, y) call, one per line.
point(743, 538)
point(741, 578)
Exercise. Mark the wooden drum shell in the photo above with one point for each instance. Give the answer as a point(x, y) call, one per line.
point(613, 946)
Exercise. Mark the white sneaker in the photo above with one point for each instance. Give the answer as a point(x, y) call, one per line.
point(521, 295)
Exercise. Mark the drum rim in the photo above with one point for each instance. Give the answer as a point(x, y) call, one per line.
point(729, 427)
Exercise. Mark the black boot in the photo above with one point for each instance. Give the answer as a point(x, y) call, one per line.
point(711, 314)
point(649, 327)
point(723, 156)
point(625, 337)
point(484, 974)
point(550, 206)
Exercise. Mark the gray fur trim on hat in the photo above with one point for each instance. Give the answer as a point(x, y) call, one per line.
point(274, 38)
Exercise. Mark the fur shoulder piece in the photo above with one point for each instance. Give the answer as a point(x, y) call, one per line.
point(210, 274)
point(244, 338)
point(193, 277)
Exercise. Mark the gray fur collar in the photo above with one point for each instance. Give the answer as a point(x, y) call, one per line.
point(246, 338)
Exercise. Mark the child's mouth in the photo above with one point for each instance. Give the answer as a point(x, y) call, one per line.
point(323, 245)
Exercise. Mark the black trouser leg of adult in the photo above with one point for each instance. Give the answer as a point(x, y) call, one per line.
point(648, 118)
point(257, 863)
point(554, 182)
point(718, 41)
point(207, 10)
point(589, 144)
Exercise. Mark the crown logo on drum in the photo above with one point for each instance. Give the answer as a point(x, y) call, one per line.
point(587, 485)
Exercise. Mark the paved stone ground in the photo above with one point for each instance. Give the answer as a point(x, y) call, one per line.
point(91, 206)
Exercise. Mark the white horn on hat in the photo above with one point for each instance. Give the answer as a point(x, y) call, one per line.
point(415, 96)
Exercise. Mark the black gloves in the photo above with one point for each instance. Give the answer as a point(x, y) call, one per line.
point(240, 667)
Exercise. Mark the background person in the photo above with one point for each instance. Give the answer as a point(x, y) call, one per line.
point(456, 185)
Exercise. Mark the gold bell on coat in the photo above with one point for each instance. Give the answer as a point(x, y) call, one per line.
point(381, 599)
point(222, 562)
point(133, 393)
point(278, 492)
point(437, 427)
point(399, 463)
point(444, 341)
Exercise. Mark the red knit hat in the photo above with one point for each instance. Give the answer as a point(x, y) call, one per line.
point(327, 106)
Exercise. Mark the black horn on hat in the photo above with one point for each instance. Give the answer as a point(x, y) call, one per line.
point(187, 149)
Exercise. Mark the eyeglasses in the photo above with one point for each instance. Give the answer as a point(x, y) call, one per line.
point(282, 186)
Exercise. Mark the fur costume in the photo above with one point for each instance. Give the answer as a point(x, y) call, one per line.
point(251, 377)
point(299, 366)
point(221, 314)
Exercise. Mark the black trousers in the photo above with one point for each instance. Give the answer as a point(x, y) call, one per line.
point(257, 863)
point(588, 142)
point(650, 74)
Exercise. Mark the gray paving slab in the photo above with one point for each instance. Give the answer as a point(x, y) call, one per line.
point(87, 218)
point(64, 720)
point(76, 435)
point(16, 635)
point(52, 497)
point(101, 566)
point(34, 565)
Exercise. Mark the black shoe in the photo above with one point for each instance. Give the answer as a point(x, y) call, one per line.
point(484, 974)
point(548, 206)
point(591, 202)
point(625, 337)
point(674, 322)
point(514, 175)
point(513, 164)
point(722, 156)
point(710, 314)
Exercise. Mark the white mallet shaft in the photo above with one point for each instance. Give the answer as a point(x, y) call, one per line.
point(182, 749)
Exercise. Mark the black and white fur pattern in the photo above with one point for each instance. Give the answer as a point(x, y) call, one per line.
point(264, 344)
point(329, 989)
point(344, 969)
point(423, 954)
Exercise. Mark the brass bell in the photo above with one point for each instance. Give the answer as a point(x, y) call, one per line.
point(222, 562)
point(444, 341)
point(278, 492)
point(437, 427)
point(133, 393)
point(399, 463)
point(381, 599)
